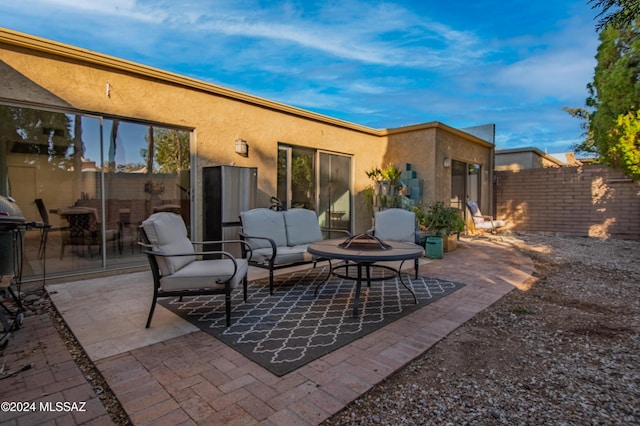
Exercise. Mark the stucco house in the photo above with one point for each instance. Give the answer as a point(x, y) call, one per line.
point(83, 129)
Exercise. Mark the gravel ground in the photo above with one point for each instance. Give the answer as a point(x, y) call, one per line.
point(564, 351)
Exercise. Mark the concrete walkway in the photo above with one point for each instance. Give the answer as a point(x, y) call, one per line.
point(173, 373)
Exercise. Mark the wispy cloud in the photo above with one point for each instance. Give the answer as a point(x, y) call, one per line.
point(383, 63)
point(560, 66)
point(122, 8)
point(376, 33)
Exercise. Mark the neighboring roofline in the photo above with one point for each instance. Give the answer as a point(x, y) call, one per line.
point(530, 149)
point(438, 125)
point(31, 42)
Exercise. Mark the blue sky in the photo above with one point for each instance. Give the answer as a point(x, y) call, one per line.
point(377, 63)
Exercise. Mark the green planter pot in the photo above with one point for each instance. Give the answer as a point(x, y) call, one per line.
point(433, 248)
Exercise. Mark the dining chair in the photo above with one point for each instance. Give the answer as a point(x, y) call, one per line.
point(85, 231)
point(46, 226)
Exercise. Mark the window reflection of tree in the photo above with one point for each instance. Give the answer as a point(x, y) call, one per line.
point(43, 138)
point(302, 178)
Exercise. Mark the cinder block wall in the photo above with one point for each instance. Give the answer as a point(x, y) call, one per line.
point(593, 201)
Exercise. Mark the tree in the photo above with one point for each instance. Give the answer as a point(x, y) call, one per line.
point(584, 115)
point(615, 99)
point(626, 12)
point(626, 150)
point(42, 135)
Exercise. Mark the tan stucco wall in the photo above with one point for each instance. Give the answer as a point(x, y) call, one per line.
point(426, 147)
point(219, 116)
point(417, 147)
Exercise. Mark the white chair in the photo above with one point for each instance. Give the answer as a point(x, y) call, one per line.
point(397, 225)
point(179, 270)
point(480, 222)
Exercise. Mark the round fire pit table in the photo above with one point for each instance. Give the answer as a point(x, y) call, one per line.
point(364, 254)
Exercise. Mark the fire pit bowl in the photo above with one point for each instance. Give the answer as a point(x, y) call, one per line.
point(364, 242)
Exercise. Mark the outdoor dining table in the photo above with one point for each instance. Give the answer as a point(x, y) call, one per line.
point(363, 252)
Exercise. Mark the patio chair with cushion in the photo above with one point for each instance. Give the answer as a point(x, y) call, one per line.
point(397, 225)
point(480, 222)
point(180, 270)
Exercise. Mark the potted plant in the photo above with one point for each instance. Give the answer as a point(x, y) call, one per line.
point(371, 191)
point(444, 222)
point(375, 174)
point(369, 195)
point(385, 184)
point(391, 174)
point(387, 187)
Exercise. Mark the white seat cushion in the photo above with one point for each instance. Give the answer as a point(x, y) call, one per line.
point(302, 227)
point(479, 220)
point(167, 234)
point(482, 224)
point(264, 223)
point(487, 224)
point(284, 255)
point(205, 274)
point(395, 225)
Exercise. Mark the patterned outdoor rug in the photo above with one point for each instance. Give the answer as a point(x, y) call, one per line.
point(293, 327)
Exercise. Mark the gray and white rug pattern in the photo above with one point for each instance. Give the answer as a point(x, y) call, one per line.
point(294, 326)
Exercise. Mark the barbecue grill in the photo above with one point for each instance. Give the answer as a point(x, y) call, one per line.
point(11, 219)
point(12, 225)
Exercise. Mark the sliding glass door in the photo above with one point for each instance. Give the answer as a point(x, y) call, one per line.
point(316, 180)
point(334, 205)
point(146, 171)
point(92, 180)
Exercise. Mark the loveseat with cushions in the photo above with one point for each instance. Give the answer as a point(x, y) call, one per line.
point(279, 239)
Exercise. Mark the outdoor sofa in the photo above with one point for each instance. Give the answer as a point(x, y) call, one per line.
point(279, 239)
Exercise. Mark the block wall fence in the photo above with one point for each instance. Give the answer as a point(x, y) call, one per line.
point(587, 201)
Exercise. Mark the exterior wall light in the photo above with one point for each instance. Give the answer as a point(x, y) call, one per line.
point(242, 148)
point(447, 162)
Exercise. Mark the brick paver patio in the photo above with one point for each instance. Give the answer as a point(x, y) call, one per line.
point(196, 379)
